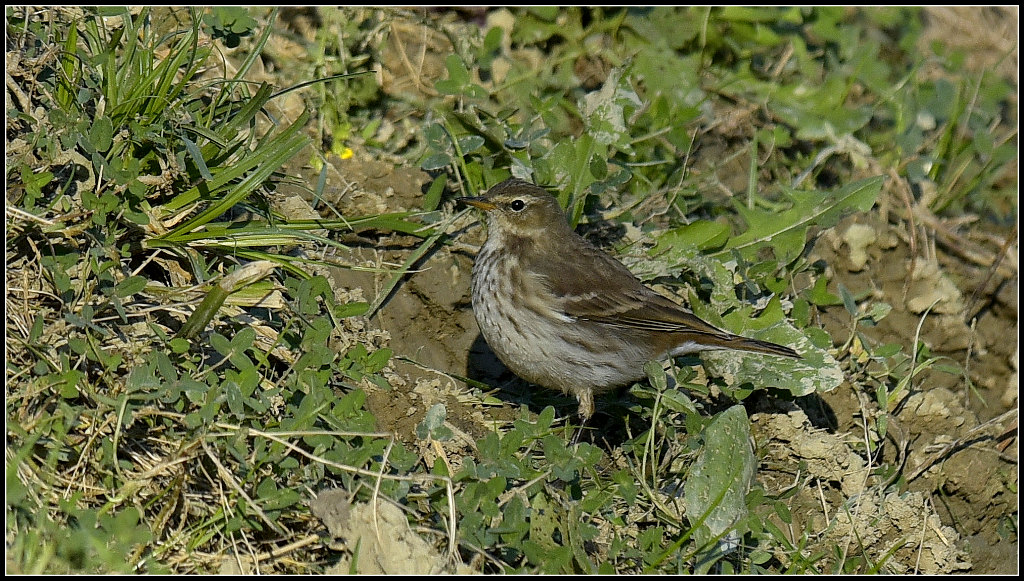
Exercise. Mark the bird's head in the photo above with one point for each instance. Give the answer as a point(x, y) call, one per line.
point(520, 209)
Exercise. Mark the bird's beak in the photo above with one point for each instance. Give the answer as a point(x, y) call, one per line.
point(478, 203)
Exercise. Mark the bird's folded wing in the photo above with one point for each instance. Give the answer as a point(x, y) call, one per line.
point(640, 309)
point(599, 288)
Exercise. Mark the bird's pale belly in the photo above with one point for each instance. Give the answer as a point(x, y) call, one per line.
point(544, 348)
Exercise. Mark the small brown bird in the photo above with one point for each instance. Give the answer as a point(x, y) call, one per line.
point(563, 314)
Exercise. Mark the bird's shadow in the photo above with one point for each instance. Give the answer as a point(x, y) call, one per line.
point(618, 416)
point(614, 422)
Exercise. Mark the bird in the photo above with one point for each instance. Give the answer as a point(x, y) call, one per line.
point(565, 315)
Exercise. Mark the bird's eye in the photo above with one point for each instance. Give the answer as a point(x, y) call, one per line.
point(517, 205)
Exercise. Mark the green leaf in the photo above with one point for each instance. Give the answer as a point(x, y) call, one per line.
point(470, 143)
point(243, 340)
point(178, 345)
point(436, 161)
point(848, 300)
point(819, 295)
point(432, 426)
point(37, 329)
point(433, 198)
point(220, 343)
point(716, 488)
point(548, 13)
point(353, 309)
point(656, 375)
point(786, 231)
point(701, 234)
point(130, 286)
point(678, 401)
point(34, 182)
point(101, 133)
point(197, 157)
point(458, 74)
point(377, 360)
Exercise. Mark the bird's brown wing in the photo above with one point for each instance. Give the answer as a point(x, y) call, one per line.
point(591, 285)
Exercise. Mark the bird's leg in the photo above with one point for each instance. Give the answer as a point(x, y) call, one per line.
point(586, 409)
point(586, 398)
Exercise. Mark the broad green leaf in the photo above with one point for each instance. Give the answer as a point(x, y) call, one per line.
point(101, 133)
point(432, 426)
point(717, 486)
point(786, 231)
point(470, 143)
point(701, 234)
point(130, 286)
point(457, 71)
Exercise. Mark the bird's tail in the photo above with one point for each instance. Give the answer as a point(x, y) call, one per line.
point(758, 346)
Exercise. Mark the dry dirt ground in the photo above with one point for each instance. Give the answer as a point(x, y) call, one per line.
point(955, 436)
